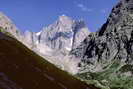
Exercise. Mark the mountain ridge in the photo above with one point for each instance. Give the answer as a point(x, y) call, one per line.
point(107, 55)
point(53, 42)
point(112, 31)
point(22, 68)
point(103, 58)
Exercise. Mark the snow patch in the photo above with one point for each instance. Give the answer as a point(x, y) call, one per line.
point(69, 47)
point(38, 33)
point(37, 42)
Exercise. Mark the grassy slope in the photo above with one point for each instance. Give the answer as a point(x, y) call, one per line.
point(111, 78)
point(29, 70)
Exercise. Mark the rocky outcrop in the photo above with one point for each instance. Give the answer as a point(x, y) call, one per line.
point(113, 41)
point(107, 55)
point(9, 26)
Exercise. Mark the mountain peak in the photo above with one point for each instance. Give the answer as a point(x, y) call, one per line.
point(64, 16)
point(8, 25)
point(122, 14)
point(113, 41)
point(4, 19)
point(1, 13)
point(127, 1)
point(65, 20)
point(125, 4)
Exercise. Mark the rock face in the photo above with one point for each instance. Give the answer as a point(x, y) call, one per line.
point(30, 39)
point(53, 42)
point(107, 55)
point(113, 41)
point(57, 40)
point(8, 26)
point(64, 35)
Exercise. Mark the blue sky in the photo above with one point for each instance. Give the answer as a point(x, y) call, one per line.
point(35, 14)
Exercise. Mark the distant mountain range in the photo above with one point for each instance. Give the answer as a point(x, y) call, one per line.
point(53, 42)
point(103, 58)
point(62, 36)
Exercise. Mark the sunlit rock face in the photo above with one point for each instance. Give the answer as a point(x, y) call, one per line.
point(57, 40)
point(9, 26)
point(53, 42)
point(64, 35)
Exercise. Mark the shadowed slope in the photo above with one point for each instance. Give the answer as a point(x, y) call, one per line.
point(21, 68)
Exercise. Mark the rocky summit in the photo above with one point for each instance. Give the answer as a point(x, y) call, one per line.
point(53, 42)
point(8, 26)
point(64, 35)
point(57, 40)
point(113, 41)
point(107, 55)
point(103, 58)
